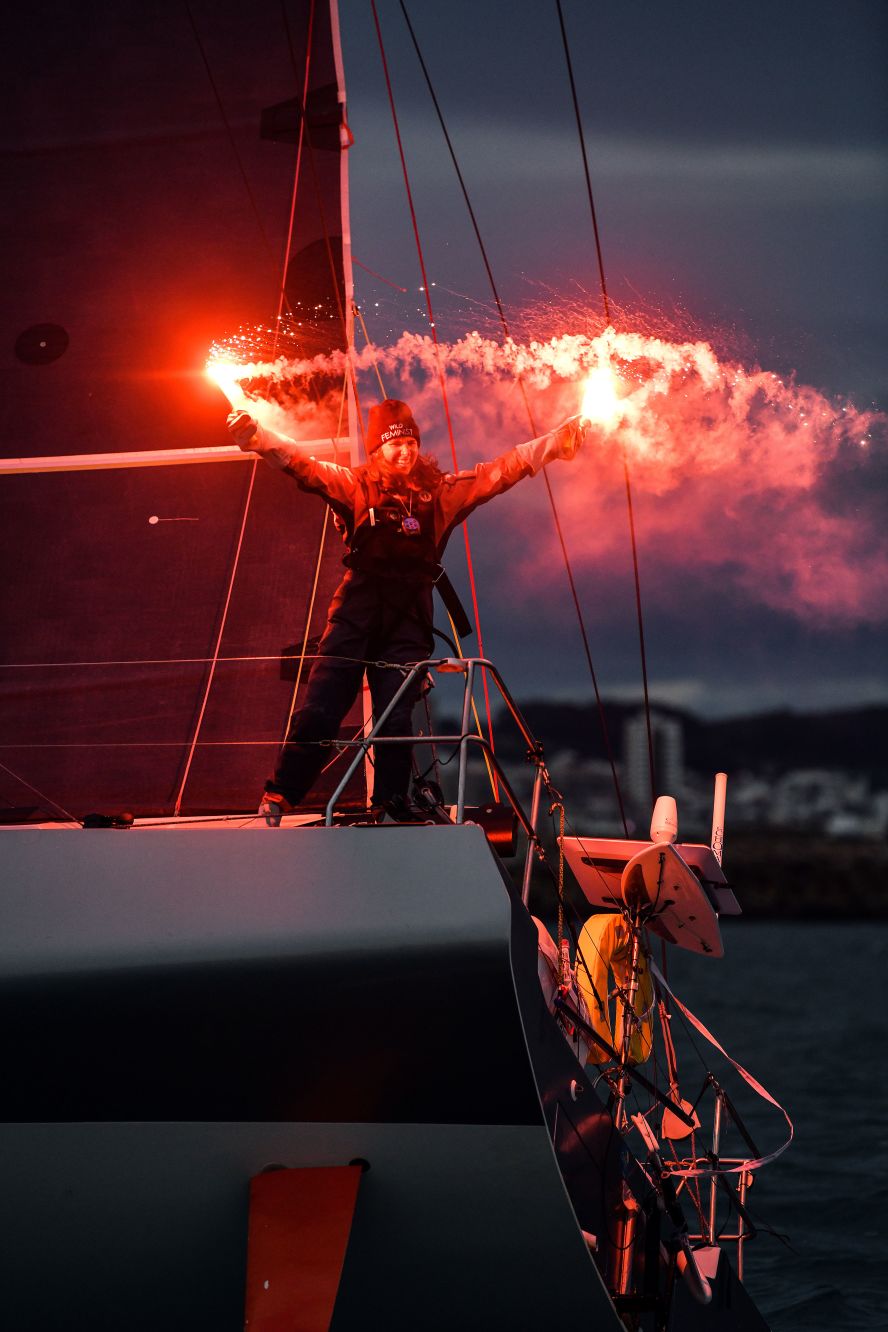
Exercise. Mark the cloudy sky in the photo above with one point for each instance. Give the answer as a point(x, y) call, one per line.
point(740, 171)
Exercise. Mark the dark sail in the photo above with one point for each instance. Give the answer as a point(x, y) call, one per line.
point(148, 198)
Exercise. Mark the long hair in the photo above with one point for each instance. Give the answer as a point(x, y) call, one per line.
point(426, 473)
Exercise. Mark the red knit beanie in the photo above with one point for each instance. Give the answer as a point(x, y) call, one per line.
point(390, 421)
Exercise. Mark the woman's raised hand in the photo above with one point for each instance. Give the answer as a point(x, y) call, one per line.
point(242, 427)
point(571, 434)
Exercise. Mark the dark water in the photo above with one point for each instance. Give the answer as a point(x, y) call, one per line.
point(802, 1007)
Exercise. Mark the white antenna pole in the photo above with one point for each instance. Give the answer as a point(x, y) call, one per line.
point(718, 815)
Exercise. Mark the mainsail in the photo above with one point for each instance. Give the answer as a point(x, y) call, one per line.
point(153, 619)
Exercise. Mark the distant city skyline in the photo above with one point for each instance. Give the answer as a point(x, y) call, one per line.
point(825, 793)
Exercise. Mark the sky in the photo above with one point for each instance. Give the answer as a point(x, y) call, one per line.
point(739, 167)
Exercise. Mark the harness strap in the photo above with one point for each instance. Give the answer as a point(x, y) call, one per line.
point(453, 605)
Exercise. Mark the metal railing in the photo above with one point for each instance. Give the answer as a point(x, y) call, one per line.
point(468, 666)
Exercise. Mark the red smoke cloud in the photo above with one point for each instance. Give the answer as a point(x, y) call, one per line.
point(737, 474)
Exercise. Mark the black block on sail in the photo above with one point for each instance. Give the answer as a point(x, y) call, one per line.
point(315, 298)
point(323, 119)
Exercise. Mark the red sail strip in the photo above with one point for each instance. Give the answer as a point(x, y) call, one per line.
point(299, 1227)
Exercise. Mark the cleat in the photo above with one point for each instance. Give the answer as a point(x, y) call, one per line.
point(273, 807)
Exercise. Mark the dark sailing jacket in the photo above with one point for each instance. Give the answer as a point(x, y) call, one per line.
point(380, 520)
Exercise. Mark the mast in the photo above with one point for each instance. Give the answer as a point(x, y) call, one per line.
point(345, 141)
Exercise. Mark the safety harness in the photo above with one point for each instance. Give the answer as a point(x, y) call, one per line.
point(396, 539)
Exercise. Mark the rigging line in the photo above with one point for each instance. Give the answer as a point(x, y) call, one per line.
point(576, 106)
point(459, 175)
point(222, 112)
point(588, 651)
point(202, 661)
point(49, 800)
point(551, 496)
point(334, 275)
point(693, 1185)
point(370, 346)
point(185, 661)
point(281, 300)
point(585, 157)
point(277, 329)
point(359, 733)
point(165, 744)
point(314, 586)
point(434, 331)
point(640, 618)
point(432, 745)
point(373, 273)
point(483, 306)
point(311, 604)
point(748, 1078)
point(212, 671)
point(282, 296)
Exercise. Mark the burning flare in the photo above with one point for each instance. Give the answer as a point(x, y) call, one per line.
point(742, 478)
point(601, 401)
point(227, 375)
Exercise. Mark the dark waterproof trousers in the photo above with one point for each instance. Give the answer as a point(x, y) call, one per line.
point(371, 620)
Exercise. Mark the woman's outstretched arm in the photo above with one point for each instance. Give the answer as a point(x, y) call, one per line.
point(329, 480)
point(464, 491)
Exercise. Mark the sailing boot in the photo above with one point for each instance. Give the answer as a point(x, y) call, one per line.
point(273, 806)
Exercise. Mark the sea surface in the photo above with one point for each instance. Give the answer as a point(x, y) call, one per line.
point(802, 1006)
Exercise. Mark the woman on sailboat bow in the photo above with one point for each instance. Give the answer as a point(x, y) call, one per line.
point(396, 513)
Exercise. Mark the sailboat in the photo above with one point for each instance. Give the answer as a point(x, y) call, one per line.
point(338, 1067)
